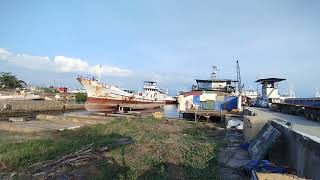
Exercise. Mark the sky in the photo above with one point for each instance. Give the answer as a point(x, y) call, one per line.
point(170, 41)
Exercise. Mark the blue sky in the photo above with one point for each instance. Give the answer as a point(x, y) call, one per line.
point(177, 40)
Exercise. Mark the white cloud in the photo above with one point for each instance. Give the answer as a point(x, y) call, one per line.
point(59, 64)
point(65, 64)
point(4, 54)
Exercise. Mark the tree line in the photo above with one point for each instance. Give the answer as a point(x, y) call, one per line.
point(10, 81)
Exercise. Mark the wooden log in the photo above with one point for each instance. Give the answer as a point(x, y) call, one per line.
point(133, 113)
point(83, 116)
point(120, 115)
point(69, 128)
point(99, 114)
point(16, 119)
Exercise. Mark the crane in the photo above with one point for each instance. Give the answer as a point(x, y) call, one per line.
point(239, 77)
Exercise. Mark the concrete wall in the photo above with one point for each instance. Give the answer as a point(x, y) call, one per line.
point(312, 113)
point(270, 93)
point(185, 102)
point(11, 107)
point(252, 126)
point(296, 151)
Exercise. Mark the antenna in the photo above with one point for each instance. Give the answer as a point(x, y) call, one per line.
point(214, 73)
point(239, 77)
point(291, 92)
point(99, 72)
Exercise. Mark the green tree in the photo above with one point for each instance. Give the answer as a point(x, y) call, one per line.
point(50, 90)
point(81, 97)
point(9, 81)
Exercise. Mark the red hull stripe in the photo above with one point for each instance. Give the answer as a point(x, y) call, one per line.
point(102, 104)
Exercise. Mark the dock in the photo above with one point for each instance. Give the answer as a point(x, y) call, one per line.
point(308, 111)
point(299, 123)
point(198, 114)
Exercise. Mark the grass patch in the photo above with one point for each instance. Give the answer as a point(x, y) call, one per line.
point(162, 149)
point(19, 155)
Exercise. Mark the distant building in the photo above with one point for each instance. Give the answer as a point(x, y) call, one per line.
point(270, 93)
point(78, 91)
point(62, 89)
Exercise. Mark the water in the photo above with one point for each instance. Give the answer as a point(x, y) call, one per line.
point(171, 111)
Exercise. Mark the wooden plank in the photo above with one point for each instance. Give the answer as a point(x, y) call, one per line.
point(119, 115)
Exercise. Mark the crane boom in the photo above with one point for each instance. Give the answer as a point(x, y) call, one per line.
point(239, 77)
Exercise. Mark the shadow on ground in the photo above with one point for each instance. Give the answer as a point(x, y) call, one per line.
point(173, 171)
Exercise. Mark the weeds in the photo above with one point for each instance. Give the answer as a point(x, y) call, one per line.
point(19, 155)
point(162, 149)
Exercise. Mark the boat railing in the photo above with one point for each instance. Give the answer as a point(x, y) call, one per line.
point(227, 89)
point(88, 77)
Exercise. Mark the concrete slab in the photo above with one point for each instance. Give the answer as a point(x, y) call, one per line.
point(232, 158)
point(231, 174)
point(74, 120)
point(299, 144)
point(34, 126)
point(236, 158)
point(263, 142)
point(296, 151)
point(253, 124)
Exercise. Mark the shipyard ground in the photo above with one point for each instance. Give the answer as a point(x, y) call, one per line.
point(122, 148)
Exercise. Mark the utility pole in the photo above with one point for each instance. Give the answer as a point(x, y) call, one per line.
point(239, 77)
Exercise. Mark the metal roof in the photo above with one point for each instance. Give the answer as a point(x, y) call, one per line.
point(215, 80)
point(270, 80)
point(150, 82)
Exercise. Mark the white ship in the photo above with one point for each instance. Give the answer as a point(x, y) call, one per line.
point(107, 97)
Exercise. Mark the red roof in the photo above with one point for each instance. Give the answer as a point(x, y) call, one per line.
point(194, 93)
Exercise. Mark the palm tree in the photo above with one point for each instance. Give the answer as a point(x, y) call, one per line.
point(9, 81)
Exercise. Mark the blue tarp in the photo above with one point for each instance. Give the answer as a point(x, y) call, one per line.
point(245, 146)
point(230, 103)
point(264, 166)
point(219, 105)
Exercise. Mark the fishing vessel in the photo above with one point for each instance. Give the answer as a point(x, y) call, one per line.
point(106, 97)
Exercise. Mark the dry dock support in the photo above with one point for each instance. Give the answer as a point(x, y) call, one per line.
point(198, 114)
